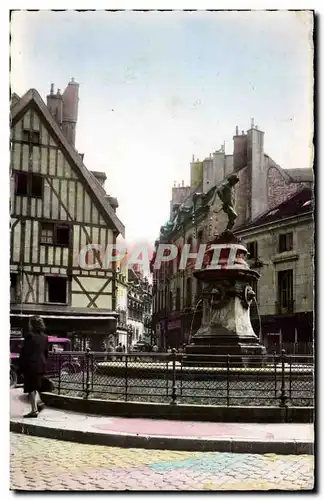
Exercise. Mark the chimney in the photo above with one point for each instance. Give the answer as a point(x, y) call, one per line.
point(240, 150)
point(100, 176)
point(113, 202)
point(55, 105)
point(70, 110)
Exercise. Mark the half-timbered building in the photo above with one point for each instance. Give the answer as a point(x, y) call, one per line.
point(58, 207)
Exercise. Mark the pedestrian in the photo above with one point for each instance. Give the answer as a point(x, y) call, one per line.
point(124, 348)
point(32, 364)
point(110, 349)
point(169, 350)
point(119, 349)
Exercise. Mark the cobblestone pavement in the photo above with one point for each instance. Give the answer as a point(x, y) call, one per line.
point(40, 464)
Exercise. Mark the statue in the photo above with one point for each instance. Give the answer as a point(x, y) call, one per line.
point(226, 195)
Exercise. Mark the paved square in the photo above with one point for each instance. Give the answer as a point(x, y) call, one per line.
point(39, 464)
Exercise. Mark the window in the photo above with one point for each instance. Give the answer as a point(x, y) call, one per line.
point(21, 183)
point(178, 300)
point(13, 287)
point(285, 290)
point(62, 235)
point(36, 186)
point(29, 184)
point(31, 136)
point(56, 289)
point(55, 234)
point(47, 234)
point(188, 292)
point(285, 242)
point(252, 249)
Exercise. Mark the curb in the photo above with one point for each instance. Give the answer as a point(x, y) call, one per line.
point(165, 443)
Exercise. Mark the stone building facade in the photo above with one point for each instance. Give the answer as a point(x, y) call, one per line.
point(281, 247)
point(199, 218)
point(139, 307)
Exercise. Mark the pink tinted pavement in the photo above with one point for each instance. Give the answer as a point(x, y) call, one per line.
point(67, 420)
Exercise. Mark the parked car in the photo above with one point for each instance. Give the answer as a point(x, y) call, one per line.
point(141, 347)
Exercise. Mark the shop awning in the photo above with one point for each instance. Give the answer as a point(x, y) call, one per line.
point(59, 316)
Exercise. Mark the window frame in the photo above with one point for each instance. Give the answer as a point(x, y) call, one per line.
point(285, 293)
point(29, 176)
point(31, 136)
point(286, 242)
point(55, 226)
point(14, 287)
point(48, 279)
point(252, 244)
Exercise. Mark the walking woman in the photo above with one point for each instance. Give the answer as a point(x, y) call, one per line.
point(32, 361)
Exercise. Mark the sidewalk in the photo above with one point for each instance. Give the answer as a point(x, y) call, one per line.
point(282, 439)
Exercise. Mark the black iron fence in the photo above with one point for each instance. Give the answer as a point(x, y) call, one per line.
point(271, 380)
point(293, 348)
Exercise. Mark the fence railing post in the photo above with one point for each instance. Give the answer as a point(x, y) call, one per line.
point(181, 374)
point(283, 397)
point(59, 370)
point(174, 378)
point(227, 379)
point(275, 375)
point(126, 376)
point(87, 381)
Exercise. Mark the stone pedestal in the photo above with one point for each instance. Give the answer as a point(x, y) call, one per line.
point(227, 294)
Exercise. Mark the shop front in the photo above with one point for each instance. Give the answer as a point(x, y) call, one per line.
point(85, 327)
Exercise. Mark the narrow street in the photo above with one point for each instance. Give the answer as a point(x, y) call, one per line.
point(39, 464)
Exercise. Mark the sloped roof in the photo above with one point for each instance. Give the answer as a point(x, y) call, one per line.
point(14, 98)
point(32, 96)
point(300, 174)
point(300, 203)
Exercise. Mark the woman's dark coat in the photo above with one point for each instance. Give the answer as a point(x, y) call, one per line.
point(33, 360)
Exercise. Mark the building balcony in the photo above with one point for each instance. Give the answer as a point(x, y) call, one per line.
point(285, 309)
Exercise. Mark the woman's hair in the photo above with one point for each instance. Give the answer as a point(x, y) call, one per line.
point(36, 324)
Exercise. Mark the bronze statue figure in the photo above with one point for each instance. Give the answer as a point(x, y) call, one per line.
point(226, 195)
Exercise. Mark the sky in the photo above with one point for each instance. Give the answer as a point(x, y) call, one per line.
point(158, 87)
